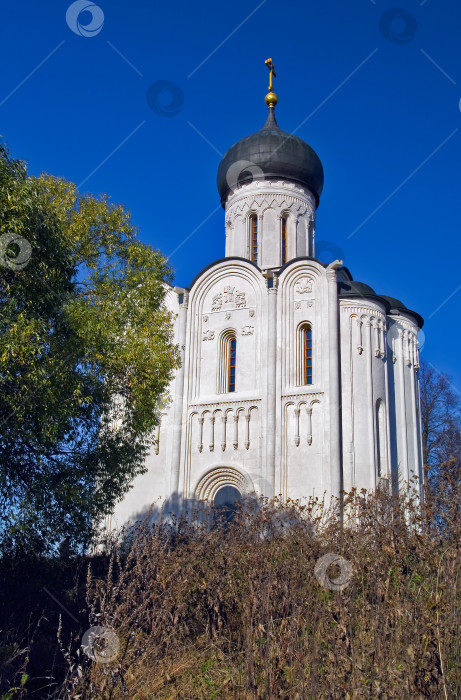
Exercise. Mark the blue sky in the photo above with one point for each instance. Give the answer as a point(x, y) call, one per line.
point(372, 86)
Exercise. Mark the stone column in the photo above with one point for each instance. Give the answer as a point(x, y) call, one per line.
point(311, 235)
point(370, 403)
point(420, 434)
point(387, 357)
point(309, 425)
point(200, 422)
point(212, 421)
point(415, 426)
point(236, 431)
point(336, 480)
point(247, 431)
point(297, 439)
point(272, 284)
point(223, 433)
point(403, 455)
point(179, 393)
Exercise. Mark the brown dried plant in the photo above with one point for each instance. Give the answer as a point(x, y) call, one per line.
point(235, 610)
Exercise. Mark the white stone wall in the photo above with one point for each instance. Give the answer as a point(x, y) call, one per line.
point(224, 429)
point(304, 454)
point(364, 387)
point(406, 446)
point(357, 422)
point(380, 396)
point(270, 200)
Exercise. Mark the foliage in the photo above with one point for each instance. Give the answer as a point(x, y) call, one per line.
point(440, 416)
point(237, 611)
point(441, 434)
point(85, 353)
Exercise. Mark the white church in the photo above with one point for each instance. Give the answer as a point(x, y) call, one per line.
point(295, 380)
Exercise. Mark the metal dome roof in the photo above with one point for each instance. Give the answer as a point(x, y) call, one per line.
point(353, 288)
point(270, 154)
point(395, 303)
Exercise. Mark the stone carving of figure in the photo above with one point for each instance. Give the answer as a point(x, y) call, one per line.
point(228, 294)
point(217, 302)
point(304, 286)
point(240, 300)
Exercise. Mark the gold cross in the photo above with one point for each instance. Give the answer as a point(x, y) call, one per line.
point(271, 67)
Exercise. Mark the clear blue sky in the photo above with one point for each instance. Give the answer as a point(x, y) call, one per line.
point(377, 93)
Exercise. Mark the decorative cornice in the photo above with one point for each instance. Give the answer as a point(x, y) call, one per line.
point(229, 403)
point(362, 310)
point(303, 395)
point(269, 186)
point(289, 202)
point(405, 323)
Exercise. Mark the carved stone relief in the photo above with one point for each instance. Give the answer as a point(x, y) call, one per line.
point(217, 302)
point(304, 303)
point(230, 295)
point(304, 286)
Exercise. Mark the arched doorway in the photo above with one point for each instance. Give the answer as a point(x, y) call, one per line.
point(219, 477)
point(225, 503)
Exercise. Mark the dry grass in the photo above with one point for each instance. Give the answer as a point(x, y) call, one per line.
point(237, 611)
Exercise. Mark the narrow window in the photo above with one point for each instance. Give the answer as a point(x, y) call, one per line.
point(304, 354)
point(307, 348)
point(381, 464)
point(284, 239)
point(232, 363)
point(254, 238)
point(227, 362)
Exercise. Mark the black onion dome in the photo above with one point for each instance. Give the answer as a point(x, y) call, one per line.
point(395, 303)
point(270, 154)
point(352, 288)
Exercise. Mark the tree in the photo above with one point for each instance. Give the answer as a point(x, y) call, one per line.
point(440, 416)
point(441, 437)
point(86, 351)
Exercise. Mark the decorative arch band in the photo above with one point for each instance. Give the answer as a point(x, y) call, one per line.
point(216, 478)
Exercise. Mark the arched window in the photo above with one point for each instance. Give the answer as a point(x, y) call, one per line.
point(381, 462)
point(307, 357)
point(284, 238)
point(232, 364)
point(253, 221)
point(227, 367)
point(304, 355)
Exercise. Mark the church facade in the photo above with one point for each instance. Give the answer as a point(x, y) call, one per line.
point(295, 380)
